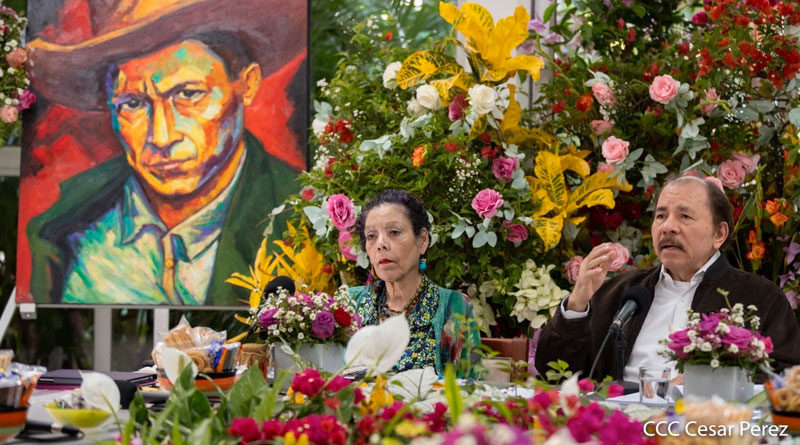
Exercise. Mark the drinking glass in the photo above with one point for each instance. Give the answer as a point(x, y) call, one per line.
point(654, 385)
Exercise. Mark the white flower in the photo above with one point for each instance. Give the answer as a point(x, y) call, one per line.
point(379, 347)
point(300, 336)
point(482, 98)
point(322, 83)
point(390, 75)
point(537, 291)
point(318, 127)
point(733, 349)
point(414, 108)
point(705, 347)
point(174, 361)
point(688, 348)
point(714, 363)
point(100, 391)
point(428, 97)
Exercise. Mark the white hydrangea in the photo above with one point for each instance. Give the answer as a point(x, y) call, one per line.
point(537, 291)
point(318, 127)
point(484, 315)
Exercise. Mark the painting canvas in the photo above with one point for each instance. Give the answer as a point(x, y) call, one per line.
point(164, 133)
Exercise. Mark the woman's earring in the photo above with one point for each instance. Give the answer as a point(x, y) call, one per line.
point(422, 265)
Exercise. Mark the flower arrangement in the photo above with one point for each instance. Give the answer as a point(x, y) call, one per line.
point(721, 339)
point(499, 191)
point(305, 318)
point(14, 93)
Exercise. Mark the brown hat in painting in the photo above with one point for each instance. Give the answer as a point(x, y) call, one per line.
point(72, 71)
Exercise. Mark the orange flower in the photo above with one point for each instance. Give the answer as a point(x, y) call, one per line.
point(757, 252)
point(418, 158)
point(778, 219)
point(751, 237)
point(772, 206)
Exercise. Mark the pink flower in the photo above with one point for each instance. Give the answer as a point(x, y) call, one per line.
point(678, 340)
point(602, 167)
point(586, 385)
point(622, 258)
point(17, 57)
point(615, 150)
point(618, 428)
point(709, 322)
point(456, 108)
point(573, 268)
point(615, 390)
point(516, 232)
point(740, 337)
point(503, 167)
point(308, 382)
point(604, 94)
point(664, 89)
point(715, 181)
point(342, 211)
point(486, 202)
point(245, 427)
point(323, 325)
point(267, 318)
point(749, 163)
point(711, 94)
point(26, 99)
point(700, 18)
point(344, 247)
point(337, 383)
point(730, 172)
point(9, 114)
point(601, 127)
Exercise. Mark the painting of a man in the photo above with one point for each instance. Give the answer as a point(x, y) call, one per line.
point(183, 205)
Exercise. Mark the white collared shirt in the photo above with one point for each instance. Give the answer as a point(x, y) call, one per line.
point(671, 301)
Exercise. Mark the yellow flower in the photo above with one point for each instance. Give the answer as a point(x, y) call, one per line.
point(410, 429)
point(296, 398)
point(779, 219)
point(378, 398)
point(290, 439)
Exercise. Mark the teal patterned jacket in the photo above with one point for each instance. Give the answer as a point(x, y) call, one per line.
point(446, 325)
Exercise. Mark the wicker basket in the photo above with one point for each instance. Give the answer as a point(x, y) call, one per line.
point(258, 354)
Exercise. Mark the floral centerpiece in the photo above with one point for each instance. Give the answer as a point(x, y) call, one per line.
point(720, 339)
point(15, 95)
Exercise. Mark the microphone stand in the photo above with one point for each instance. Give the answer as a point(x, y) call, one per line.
point(621, 346)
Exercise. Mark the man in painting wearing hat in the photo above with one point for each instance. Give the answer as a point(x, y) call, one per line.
point(182, 209)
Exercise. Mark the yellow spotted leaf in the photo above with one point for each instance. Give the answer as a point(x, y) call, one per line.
point(513, 113)
point(576, 164)
point(449, 12)
point(604, 197)
point(549, 230)
point(548, 171)
point(532, 64)
point(576, 220)
point(475, 23)
point(592, 183)
point(507, 34)
point(420, 66)
point(447, 88)
point(477, 127)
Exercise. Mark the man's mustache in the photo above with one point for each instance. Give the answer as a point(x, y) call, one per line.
point(669, 241)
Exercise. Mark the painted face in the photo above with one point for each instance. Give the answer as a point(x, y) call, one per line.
point(392, 247)
point(179, 118)
point(683, 229)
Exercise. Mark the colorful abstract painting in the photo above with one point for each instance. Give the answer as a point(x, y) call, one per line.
point(164, 134)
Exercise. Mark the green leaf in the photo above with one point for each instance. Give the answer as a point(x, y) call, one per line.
point(201, 433)
point(266, 409)
point(480, 239)
point(452, 393)
point(245, 393)
point(639, 10)
point(177, 438)
point(549, 12)
point(794, 117)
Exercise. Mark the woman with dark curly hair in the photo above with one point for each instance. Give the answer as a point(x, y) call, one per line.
point(395, 232)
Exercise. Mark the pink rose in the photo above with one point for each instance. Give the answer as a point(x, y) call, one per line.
point(503, 167)
point(700, 18)
point(740, 337)
point(604, 94)
point(9, 114)
point(730, 172)
point(17, 57)
point(516, 232)
point(342, 211)
point(486, 202)
point(664, 89)
point(600, 127)
point(26, 99)
point(748, 163)
point(711, 94)
point(456, 108)
point(715, 181)
point(347, 249)
point(615, 150)
point(678, 340)
point(573, 268)
point(602, 167)
point(622, 258)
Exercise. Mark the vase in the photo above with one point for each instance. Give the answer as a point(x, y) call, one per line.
point(326, 357)
point(729, 383)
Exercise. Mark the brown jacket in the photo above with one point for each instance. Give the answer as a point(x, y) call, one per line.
point(577, 341)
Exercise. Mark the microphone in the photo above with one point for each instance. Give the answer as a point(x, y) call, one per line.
point(33, 427)
point(281, 281)
point(637, 300)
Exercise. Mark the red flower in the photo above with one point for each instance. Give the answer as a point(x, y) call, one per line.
point(436, 420)
point(388, 36)
point(683, 48)
point(631, 36)
point(366, 426)
point(649, 191)
point(612, 220)
point(346, 136)
point(307, 194)
point(245, 427)
point(615, 390)
point(742, 21)
point(620, 23)
point(558, 107)
point(307, 382)
point(658, 111)
point(489, 152)
point(451, 146)
point(359, 396)
point(585, 102)
point(327, 269)
point(342, 317)
point(332, 402)
point(485, 138)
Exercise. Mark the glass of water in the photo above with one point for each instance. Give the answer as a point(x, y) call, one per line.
point(654, 385)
